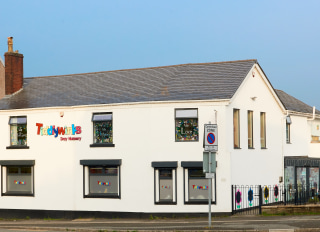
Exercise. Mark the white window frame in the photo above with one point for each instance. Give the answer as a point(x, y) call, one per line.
point(5, 164)
point(15, 121)
point(186, 114)
point(87, 164)
point(187, 200)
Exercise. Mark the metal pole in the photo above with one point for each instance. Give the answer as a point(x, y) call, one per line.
point(210, 189)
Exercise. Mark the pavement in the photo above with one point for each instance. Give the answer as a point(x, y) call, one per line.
point(308, 223)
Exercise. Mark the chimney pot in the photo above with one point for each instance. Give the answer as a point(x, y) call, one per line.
point(10, 44)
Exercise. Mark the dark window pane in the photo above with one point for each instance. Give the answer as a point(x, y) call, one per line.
point(95, 170)
point(165, 173)
point(13, 170)
point(186, 129)
point(25, 170)
point(111, 171)
point(102, 132)
point(196, 173)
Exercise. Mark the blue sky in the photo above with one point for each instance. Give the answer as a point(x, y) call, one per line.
point(65, 37)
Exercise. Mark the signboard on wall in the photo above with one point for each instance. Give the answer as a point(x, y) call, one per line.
point(210, 137)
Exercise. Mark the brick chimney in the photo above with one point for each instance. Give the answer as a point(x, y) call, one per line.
point(13, 69)
point(2, 77)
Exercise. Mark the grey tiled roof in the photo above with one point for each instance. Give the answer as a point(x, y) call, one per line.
point(218, 80)
point(293, 104)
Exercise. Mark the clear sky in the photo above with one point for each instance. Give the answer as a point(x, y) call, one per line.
point(67, 36)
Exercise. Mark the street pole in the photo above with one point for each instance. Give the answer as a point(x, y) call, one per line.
point(210, 189)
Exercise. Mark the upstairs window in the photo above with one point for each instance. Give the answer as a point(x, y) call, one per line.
point(236, 128)
point(315, 132)
point(18, 131)
point(263, 130)
point(186, 121)
point(250, 129)
point(288, 123)
point(102, 130)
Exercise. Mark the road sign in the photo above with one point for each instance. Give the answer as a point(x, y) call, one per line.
point(211, 137)
point(210, 175)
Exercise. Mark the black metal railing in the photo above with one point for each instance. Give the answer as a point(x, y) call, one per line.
point(248, 199)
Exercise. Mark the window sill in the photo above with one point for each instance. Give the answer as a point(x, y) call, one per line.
point(101, 196)
point(183, 141)
point(251, 148)
point(198, 202)
point(237, 148)
point(17, 194)
point(165, 203)
point(102, 145)
point(264, 148)
point(17, 147)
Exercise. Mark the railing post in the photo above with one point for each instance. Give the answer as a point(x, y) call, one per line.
point(232, 197)
point(260, 199)
point(285, 195)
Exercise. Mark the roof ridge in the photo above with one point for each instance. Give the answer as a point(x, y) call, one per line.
point(156, 67)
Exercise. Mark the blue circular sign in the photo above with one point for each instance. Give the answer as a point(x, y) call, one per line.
point(211, 138)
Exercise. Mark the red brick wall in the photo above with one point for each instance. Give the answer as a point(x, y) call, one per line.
point(13, 72)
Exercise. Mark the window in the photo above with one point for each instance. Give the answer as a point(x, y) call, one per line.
point(263, 142)
point(196, 185)
point(102, 130)
point(18, 131)
point(186, 121)
point(315, 132)
point(236, 128)
point(17, 177)
point(288, 123)
point(101, 178)
point(165, 187)
point(250, 129)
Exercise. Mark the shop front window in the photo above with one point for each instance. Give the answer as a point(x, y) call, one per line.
point(17, 178)
point(101, 178)
point(104, 181)
point(165, 182)
point(196, 185)
point(165, 185)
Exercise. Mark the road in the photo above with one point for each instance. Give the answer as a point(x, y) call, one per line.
point(234, 223)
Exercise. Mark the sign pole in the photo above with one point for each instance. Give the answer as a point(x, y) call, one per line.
point(210, 189)
point(210, 144)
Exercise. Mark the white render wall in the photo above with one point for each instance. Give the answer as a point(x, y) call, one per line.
point(142, 133)
point(300, 137)
point(256, 166)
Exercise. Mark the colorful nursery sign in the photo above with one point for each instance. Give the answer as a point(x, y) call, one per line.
point(56, 131)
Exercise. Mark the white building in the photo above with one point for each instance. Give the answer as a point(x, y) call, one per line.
point(131, 141)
